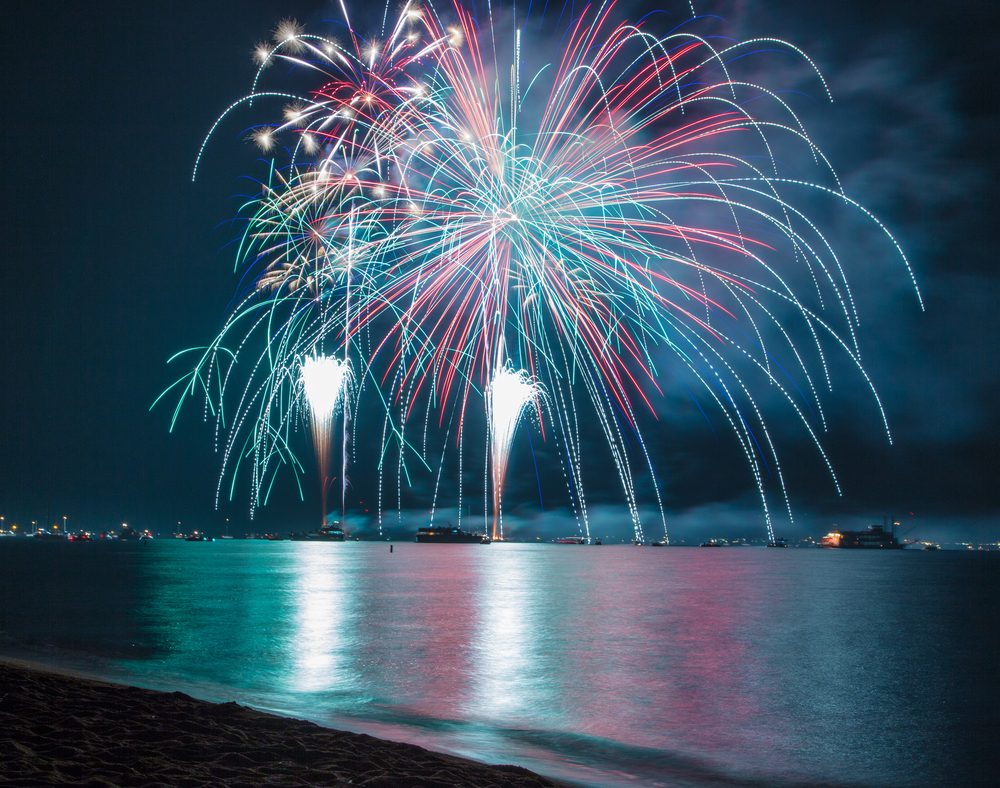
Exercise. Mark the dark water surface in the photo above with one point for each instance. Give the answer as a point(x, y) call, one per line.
point(601, 665)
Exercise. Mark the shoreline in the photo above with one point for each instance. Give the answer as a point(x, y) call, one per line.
point(57, 727)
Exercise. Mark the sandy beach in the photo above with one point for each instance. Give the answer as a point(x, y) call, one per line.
point(61, 729)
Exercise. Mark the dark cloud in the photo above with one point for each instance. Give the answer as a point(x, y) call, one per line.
point(906, 133)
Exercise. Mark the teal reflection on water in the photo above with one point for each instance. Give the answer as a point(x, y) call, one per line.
point(324, 615)
point(603, 665)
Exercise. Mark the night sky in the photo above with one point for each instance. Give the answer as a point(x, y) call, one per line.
point(114, 260)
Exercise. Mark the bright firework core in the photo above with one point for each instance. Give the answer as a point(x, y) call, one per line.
point(509, 393)
point(325, 381)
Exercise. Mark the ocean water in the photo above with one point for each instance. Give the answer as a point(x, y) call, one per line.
point(609, 665)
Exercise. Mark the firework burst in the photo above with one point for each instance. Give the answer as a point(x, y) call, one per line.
point(460, 231)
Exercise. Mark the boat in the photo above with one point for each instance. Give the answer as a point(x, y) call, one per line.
point(712, 543)
point(931, 546)
point(198, 536)
point(664, 542)
point(327, 533)
point(875, 537)
point(570, 540)
point(779, 542)
point(449, 534)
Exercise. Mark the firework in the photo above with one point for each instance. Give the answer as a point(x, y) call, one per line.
point(463, 230)
point(325, 381)
point(507, 396)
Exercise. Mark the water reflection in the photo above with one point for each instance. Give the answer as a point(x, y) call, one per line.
point(322, 602)
point(430, 621)
point(601, 665)
point(502, 645)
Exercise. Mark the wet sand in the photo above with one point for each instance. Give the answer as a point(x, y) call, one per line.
point(60, 729)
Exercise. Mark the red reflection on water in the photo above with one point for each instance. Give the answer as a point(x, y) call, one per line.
point(435, 617)
point(697, 685)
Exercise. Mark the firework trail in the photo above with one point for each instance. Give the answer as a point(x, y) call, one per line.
point(507, 396)
point(463, 228)
point(325, 381)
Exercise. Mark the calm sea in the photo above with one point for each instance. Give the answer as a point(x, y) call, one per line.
point(610, 665)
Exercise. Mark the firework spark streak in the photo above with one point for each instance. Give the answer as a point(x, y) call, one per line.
point(456, 223)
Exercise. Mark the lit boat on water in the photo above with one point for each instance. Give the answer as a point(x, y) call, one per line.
point(449, 534)
point(875, 537)
point(570, 540)
point(198, 536)
point(327, 533)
